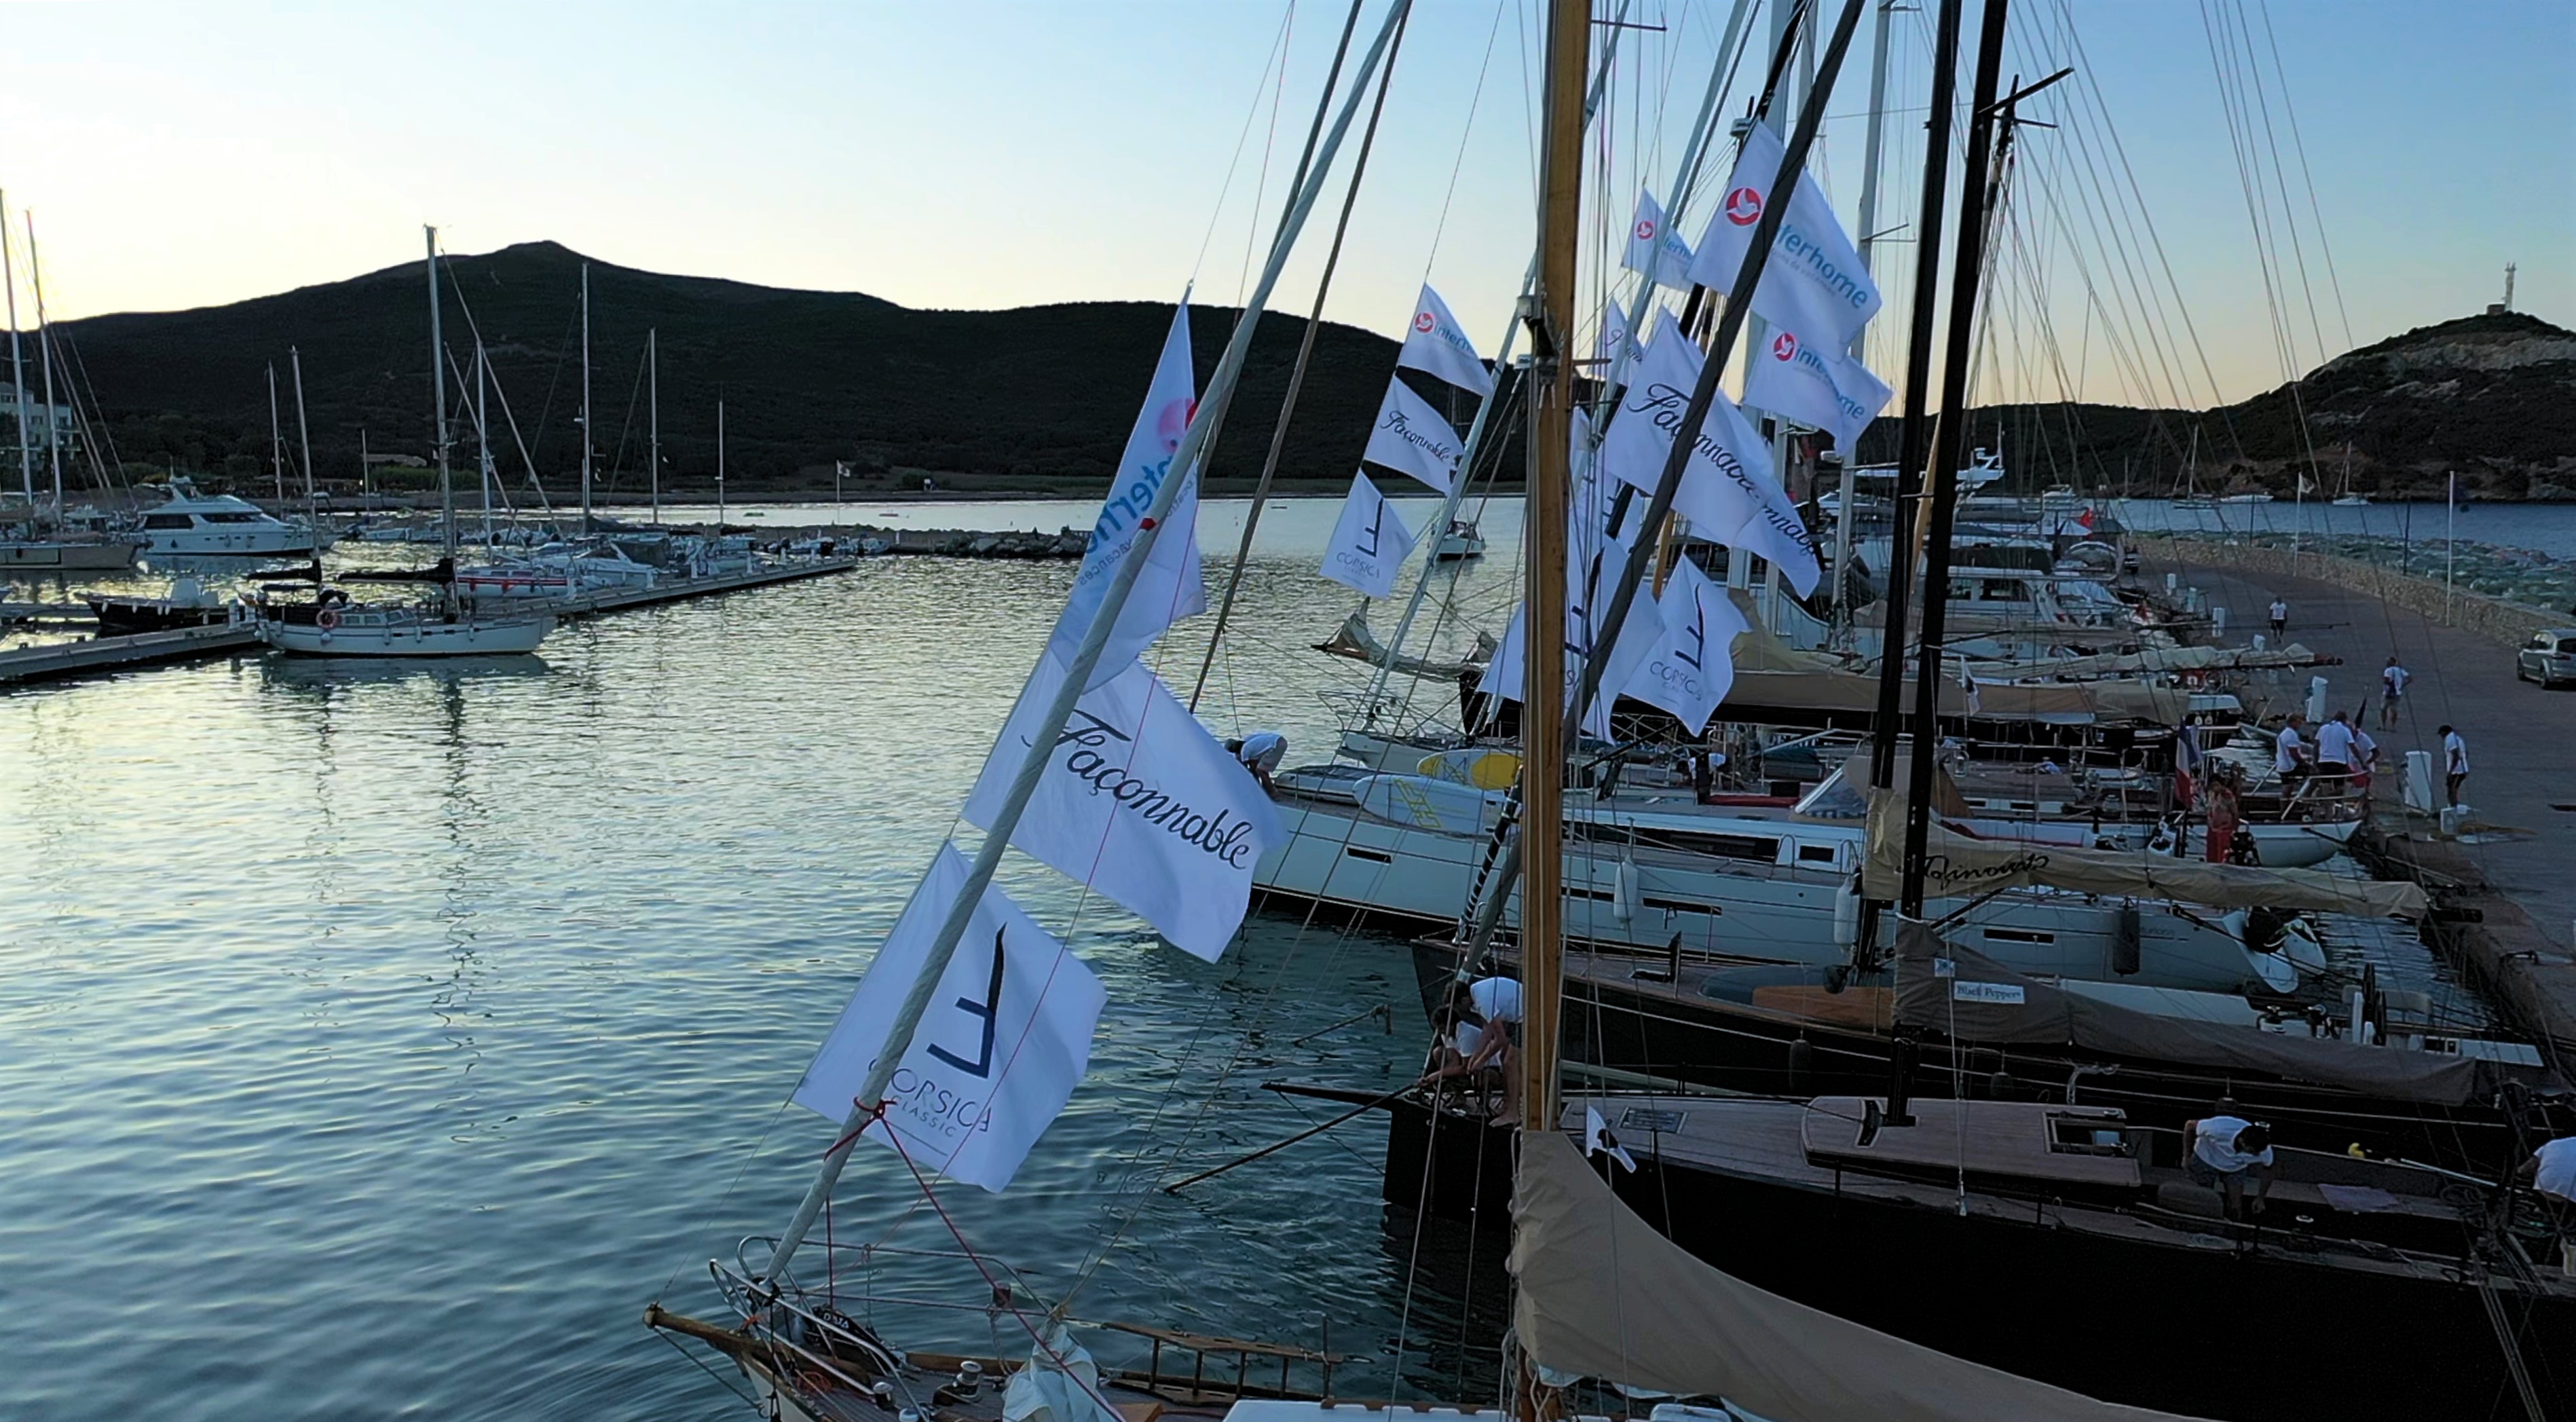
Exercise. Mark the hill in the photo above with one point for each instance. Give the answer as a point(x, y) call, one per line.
point(1026, 398)
point(2491, 396)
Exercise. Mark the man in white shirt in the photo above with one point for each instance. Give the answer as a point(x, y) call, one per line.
point(1488, 1017)
point(2224, 1152)
point(2365, 759)
point(2455, 764)
point(2280, 618)
point(2334, 750)
point(1260, 753)
point(2392, 690)
point(2552, 1171)
point(2290, 753)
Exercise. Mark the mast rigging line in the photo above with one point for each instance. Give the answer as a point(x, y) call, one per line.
point(1086, 658)
point(1305, 343)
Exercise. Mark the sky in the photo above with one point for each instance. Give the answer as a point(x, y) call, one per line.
point(1004, 154)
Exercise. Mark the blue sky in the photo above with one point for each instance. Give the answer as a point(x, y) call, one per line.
point(985, 155)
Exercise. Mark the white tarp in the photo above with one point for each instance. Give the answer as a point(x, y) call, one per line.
point(1815, 280)
point(1814, 383)
point(1139, 802)
point(995, 1057)
point(1727, 491)
point(1693, 664)
point(1369, 542)
point(1437, 346)
point(1412, 438)
point(1170, 587)
point(1654, 249)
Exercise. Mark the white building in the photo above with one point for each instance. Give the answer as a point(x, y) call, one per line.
point(45, 423)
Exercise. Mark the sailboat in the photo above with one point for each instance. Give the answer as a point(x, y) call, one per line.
point(39, 543)
point(332, 624)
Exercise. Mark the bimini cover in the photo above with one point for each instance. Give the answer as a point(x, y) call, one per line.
point(2026, 1010)
point(1602, 1295)
point(1958, 864)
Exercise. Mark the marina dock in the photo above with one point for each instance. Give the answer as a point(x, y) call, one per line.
point(2505, 903)
point(58, 660)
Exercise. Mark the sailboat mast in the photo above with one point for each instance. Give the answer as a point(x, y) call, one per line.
point(1976, 206)
point(276, 444)
point(653, 369)
point(17, 365)
point(1844, 510)
point(45, 358)
point(438, 404)
point(1550, 496)
point(483, 437)
point(720, 503)
point(1077, 675)
point(304, 442)
point(585, 397)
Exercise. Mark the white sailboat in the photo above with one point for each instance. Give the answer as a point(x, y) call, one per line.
point(38, 543)
point(333, 625)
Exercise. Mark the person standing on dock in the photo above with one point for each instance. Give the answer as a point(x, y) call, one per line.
point(2455, 765)
point(2392, 690)
point(2224, 1153)
point(2280, 618)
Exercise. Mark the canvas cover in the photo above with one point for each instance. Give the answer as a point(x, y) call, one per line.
point(1602, 1295)
point(1960, 865)
point(2048, 1017)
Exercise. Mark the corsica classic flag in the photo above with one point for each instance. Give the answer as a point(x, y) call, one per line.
point(1815, 385)
point(1693, 666)
point(1171, 586)
point(1435, 345)
point(1814, 281)
point(1138, 801)
point(1727, 490)
point(1369, 543)
point(995, 1057)
point(1412, 438)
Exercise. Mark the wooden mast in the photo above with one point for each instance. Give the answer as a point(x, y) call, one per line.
point(1550, 316)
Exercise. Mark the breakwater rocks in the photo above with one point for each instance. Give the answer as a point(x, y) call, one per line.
point(950, 543)
point(2511, 623)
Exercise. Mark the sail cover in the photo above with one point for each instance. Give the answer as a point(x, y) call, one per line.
point(2042, 1015)
point(1602, 1295)
point(1961, 864)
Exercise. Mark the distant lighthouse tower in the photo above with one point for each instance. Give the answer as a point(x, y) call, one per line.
point(2505, 305)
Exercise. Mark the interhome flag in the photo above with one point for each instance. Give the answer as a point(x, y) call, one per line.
point(1369, 543)
point(995, 1057)
point(1654, 249)
point(1412, 438)
point(1814, 384)
point(1727, 490)
point(1815, 281)
point(1435, 344)
point(1170, 587)
point(1138, 801)
point(1693, 666)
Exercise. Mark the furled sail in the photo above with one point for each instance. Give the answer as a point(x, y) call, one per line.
point(1602, 1295)
point(2038, 1014)
point(1961, 864)
point(1354, 640)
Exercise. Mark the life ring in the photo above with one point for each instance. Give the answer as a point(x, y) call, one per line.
point(328, 619)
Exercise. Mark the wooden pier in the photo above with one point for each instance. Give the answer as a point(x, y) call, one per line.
point(104, 654)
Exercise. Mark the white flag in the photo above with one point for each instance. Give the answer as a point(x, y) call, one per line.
point(1435, 344)
point(1693, 666)
point(1816, 385)
point(1727, 490)
point(1654, 249)
point(996, 1055)
point(1598, 1140)
point(1369, 543)
point(1595, 559)
point(1139, 802)
point(1815, 280)
point(1614, 339)
point(1412, 438)
point(1170, 587)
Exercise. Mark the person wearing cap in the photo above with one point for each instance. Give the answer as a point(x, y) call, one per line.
point(2224, 1153)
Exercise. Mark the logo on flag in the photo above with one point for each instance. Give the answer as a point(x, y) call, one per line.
point(1423, 321)
point(1784, 347)
point(1744, 207)
point(1436, 346)
point(1645, 230)
point(1369, 542)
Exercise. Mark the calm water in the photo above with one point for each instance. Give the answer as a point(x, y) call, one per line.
point(377, 1042)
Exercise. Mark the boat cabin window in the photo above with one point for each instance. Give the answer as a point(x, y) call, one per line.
point(1999, 590)
point(2085, 1135)
point(1756, 848)
point(166, 521)
point(233, 517)
point(1816, 854)
point(1834, 799)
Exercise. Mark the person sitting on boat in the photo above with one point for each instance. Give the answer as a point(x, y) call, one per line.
point(1488, 1017)
point(1260, 753)
point(2552, 1172)
point(2223, 1152)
